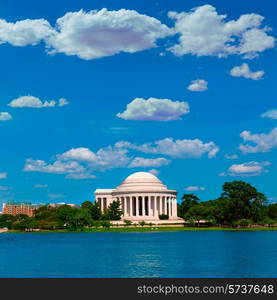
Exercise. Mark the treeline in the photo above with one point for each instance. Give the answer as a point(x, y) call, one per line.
point(64, 217)
point(240, 204)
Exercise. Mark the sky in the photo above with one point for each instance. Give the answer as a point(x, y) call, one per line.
point(93, 91)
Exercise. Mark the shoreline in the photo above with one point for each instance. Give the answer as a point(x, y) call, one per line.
point(150, 229)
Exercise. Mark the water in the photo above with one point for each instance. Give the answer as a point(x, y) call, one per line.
point(159, 254)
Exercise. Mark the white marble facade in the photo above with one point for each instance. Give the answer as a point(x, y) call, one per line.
point(142, 196)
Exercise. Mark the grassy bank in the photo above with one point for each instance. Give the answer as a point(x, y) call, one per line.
point(152, 229)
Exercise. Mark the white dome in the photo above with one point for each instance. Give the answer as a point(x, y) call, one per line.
point(141, 181)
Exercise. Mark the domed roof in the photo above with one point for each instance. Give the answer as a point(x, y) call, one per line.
point(142, 176)
point(141, 181)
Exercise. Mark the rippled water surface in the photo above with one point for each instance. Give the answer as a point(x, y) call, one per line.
point(159, 254)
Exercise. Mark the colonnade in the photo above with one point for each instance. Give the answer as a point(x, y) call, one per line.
point(149, 206)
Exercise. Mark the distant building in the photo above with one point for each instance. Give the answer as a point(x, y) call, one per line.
point(63, 203)
point(142, 197)
point(19, 208)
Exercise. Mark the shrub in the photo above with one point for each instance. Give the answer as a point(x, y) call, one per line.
point(163, 217)
point(106, 224)
point(127, 223)
point(142, 223)
point(243, 222)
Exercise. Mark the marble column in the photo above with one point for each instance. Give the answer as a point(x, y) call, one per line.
point(154, 206)
point(137, 204)
point(125, 207)
point(143, 206)
point(165, 205)
point(161, 205)
point(130, 206)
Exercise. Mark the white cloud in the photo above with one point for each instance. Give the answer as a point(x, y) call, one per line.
point(62, 102)
point(79, 163)
point(80, 176)
point(232, 156)
point(148, 162)
point(247, 169)
point(154, 172)
point(25, 32)
point(271, 114)
point(3, 175)
point(204, 32)
point(96, 34)
point(55, 196)
point(154, 109)
point(34, 102)
point(198, 85)
point(58, 167)
point(4, 188)
point(5, 116)
point(41, 186)
point(244, 71)
point(179, 148)
point(264, 142)
point(81, 154)
point(195, 188)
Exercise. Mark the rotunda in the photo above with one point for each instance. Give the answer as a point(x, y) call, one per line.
point(142, 196)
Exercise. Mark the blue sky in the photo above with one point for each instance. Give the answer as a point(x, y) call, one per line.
point(144, 56)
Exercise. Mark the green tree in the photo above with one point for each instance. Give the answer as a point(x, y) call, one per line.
point(25, 224)
point(95, 211)
point(114, 211)
point(189, 200)
point(87, 205)
point(243, 200)
point(272, 211)
point(6, 221)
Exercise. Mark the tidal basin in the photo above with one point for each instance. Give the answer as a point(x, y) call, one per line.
point(143, 254)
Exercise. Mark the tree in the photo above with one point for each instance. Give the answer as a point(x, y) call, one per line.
point(6, 221)
point(78, 219)
point(114, 211)
point(95, 211)
point(189, 200)
point(87, 205)
point(25, 224)
point(272, 211)
point(244, 201)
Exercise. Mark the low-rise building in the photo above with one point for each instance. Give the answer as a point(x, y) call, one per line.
point(19, 209)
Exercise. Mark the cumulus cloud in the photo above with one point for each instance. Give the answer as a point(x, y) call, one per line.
point(3, 175)
point(198, 85)
point(271, 114)
point(80, 176)
point(231, 156)
point(101, 33)
point(154, 172)
point(180, 148)
point(4, 188)
point(148, 162)
point(203, 32)
point(80, 163)
point(264, 142)
point(154, 109)
point(34, 102)
point(252, 168)
point(55, 196)
point(25, 32)
point(58, 167)
point(5, 116)
point(193, 188)
point(244, 71)
point(41, 186)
